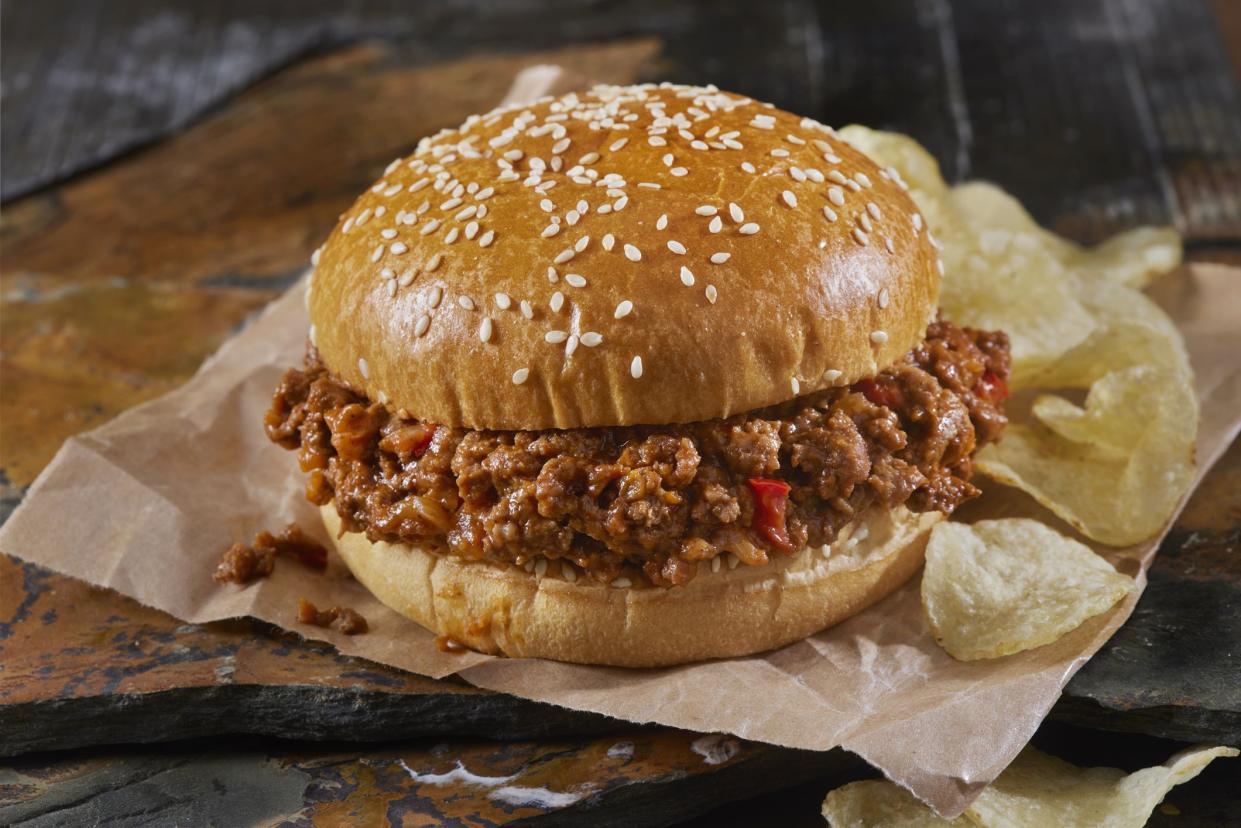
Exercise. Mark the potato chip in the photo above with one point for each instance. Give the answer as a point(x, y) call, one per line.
point(876, 802)
point(1116, 468)
point(1035, 791)
point(997, 587)
point(1133, 258)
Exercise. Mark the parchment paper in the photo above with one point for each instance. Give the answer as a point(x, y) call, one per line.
point(146, 504)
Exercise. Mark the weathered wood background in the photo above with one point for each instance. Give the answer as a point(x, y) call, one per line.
point(168, 167)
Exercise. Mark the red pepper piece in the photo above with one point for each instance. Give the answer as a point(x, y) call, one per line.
point(885, 395)
point(770, 499)
point(992, 386)
point(424, 439)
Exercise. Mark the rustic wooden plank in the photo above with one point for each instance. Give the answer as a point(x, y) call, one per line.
point(1098, 114)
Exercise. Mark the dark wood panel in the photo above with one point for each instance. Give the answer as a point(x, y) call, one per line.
point(1098, 114)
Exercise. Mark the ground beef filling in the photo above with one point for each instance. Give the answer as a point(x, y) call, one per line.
point(655, 499)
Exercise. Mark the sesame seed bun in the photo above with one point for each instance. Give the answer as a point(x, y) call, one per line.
point(504, 610)
point(651, 254)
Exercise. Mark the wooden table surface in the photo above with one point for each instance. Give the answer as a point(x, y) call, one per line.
point(167, 168)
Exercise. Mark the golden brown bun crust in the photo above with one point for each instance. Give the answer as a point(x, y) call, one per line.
point(801, 303)
point(721, 614)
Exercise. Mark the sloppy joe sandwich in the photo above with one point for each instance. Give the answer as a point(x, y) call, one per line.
point(638, 376)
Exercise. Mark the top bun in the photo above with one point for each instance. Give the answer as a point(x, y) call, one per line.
point(641, 254)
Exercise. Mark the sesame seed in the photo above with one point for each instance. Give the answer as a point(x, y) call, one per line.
point(736, 212)
point(552, 275)
point(433, 262)
point(427, 229)
point(679, 171)
point(831, 375)
point(557, 301)
point(520, 376)
point(635, 368)
point(656, 141)
point(789, 198)
point(527, 310)
point(860, 236)
point(698, 145)
point(873, 209)
point(387, 273)
point(878, 337)
point(661, 222)
point(391, 283)
point(571, 218)
point(623, 309)
point(406, 279)
point(836, 196)
point(780, 152)
point(720, 258)
point(591, 339)
point(838, 177)
point(622, 583)
point(863, 179)
point(555, 337)
point(503, 301)
point(748, 167)
point(451, 237)
point(564, 255)
point(570, 345)
point(706, 210)
point(794, 385)
point(484, 329)
point(388, 233)
point(650, 185)
point(796, 174)
point(364, 368)
point(687, 277)
point(420, 327)
point(829, 213)
point(939, 265)
point(632, 253)
point(676, 247)
point(866, 223)
point(550, 230)
point(486, 238)
point(471, 230)
point(575, 280)
point(620, 203)
point(588, 158)
point(608, 241)
point(465, 302)
point(668, 159)
point(617, 145)
point(450, 204)
point(748, 229)
point(436, 296)
point(377, 253)
point(716, 225)
point(887, 243)
point(884, 298)
point(815, 176)
point(712, 294)
point(917, 220)
point(484, 194)
point(560, 146)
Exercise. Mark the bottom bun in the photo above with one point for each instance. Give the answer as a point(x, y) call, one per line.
point(505, 610)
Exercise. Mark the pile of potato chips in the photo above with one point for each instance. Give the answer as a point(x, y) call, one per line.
point(1035, 791)
point(1102, 428)
point(1103, 417)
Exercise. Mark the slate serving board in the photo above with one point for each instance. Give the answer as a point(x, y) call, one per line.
point(118, 283)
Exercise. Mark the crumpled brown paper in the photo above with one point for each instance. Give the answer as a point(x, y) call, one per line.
point(146, 504)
